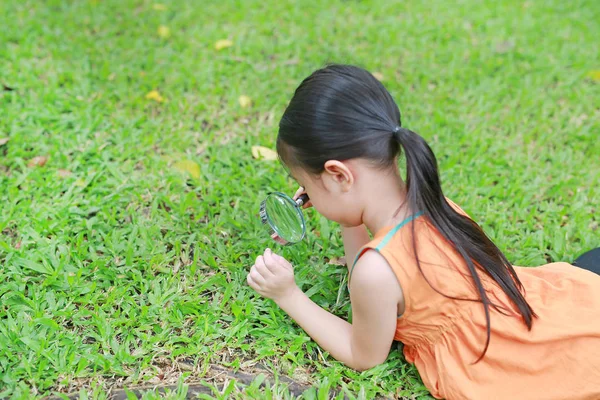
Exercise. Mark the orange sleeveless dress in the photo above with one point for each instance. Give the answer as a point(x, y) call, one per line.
point(558, 359)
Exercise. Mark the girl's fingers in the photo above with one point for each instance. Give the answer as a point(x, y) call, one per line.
point(257, 277)
point(282, 261)
point(260, 264)
point(308, 204)
point(251, 282)
point(270, 261)
point(299, 193)
point(262, 268)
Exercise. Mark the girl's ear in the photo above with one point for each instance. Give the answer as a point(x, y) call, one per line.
point(340, 174)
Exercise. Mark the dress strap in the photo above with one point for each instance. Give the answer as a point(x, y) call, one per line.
point(383, 242)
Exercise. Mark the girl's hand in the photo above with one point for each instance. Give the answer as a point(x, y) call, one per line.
point(299, 193)
point(272, 276)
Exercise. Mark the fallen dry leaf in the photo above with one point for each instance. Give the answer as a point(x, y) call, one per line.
point(154, 95)
point(337, 261)
point(594, 75)
point(63, 173)
point(264, 153)
point(38, 161)
point(164, 31)
point(245, 101)
point(159, 7)
point(3, 141)
point(504, 47)
point(223, 44)
point(293, 61)
point(188, 166)
point(378, 76)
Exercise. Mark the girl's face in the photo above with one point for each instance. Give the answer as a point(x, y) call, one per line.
point(331, 193)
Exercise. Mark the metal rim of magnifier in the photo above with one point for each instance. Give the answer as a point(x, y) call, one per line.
point(264, 217)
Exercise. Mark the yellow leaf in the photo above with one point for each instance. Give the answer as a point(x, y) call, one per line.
point(245, 101)
point(223, 44)
point(594, 75)
point(38, 161)
point(188, 166)
point(378, 76)
point(264, 153)
point(3, 141)
point(159, 7)
point(164, 31)
point(63, 173)
point(154, 95)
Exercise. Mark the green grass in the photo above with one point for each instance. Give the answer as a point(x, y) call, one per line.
point(119, 270)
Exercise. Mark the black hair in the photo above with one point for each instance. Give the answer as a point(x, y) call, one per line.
point(342, 112)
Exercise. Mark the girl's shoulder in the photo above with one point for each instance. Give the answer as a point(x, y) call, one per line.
point(371, 276)
point(371, 268)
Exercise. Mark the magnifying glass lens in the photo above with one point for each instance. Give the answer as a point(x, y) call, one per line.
point(284, 217)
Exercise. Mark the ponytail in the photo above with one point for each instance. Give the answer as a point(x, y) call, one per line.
point(424, 193)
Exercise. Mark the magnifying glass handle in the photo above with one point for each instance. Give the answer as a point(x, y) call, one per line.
point(302, 200)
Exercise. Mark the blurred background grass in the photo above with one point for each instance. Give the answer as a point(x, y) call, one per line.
point(120, 269)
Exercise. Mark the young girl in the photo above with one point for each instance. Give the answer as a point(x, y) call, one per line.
point(475, 326)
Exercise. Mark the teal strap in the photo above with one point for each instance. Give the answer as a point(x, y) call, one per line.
point(391, 233)
point(385, 241)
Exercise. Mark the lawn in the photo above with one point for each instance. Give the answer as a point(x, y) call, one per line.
point(129, 195)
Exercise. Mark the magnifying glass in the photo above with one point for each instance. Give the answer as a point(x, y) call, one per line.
point(282, 215)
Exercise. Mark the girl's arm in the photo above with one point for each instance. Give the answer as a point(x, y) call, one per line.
point(354, 239)
point(374, 294)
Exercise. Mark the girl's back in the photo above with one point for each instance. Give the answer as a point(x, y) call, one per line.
point(444, 337)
